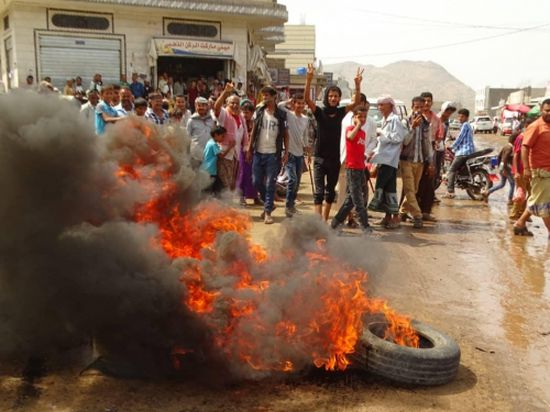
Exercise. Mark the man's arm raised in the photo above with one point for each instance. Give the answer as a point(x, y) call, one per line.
point(307, 88)
point(229, 88)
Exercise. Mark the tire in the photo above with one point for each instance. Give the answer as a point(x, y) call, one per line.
point(436, 362)
point(480, 182)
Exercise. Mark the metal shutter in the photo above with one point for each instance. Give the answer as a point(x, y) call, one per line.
point(68, 56)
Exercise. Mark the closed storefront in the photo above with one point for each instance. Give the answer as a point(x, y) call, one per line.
point(64, 56)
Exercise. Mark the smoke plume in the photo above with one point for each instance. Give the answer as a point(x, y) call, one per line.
point(110, 238)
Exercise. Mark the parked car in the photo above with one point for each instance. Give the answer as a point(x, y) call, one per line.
point(482, 124)
point(506, 126)
point(454, 125)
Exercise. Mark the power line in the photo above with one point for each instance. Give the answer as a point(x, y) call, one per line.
point(440, 46)
point(439, 22)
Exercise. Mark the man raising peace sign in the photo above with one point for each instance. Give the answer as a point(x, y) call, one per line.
point(326, 165)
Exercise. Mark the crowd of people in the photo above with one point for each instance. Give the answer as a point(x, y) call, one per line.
point(246, 147)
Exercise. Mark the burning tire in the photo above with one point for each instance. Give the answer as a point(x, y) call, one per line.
point(435, 362)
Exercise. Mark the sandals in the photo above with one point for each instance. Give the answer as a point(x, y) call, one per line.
point(522, 231)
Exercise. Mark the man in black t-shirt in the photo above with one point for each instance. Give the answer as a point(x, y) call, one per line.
point(326, 164)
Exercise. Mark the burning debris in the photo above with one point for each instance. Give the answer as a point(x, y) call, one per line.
point(110, 237)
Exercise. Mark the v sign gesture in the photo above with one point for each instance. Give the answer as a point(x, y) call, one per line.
point(359, 76)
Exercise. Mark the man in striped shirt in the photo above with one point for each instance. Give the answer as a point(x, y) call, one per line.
point(462, 148)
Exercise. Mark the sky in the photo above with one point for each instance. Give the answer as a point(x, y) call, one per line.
point(481, 42)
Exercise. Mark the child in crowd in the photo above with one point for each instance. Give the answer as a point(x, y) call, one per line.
point(355, 172)
point(212, 153)
point(140, 106)
point(105, 112)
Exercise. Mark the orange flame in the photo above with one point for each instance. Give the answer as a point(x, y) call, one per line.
point(328, 334)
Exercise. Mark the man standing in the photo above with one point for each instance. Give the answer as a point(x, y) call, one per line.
point(156, 114)
point(391, 136)
point(231, 119)
point(138, 90)
point(126, 105)
point(88, 109)
point(198, 128)
point(370, 132)
point(298, 125)
point(447, 110)
point(96, 83)
point(426, 187)
point(415, 154)
point(181, 105)
point(462, 148)
point(535, 155)
point(269, 135)
point(326, 165)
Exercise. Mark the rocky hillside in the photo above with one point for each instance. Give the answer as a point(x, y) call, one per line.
point(406, 79)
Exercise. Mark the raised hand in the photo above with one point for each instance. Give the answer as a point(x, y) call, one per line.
point(310, 71)
point(359, 75)
point(229, 87)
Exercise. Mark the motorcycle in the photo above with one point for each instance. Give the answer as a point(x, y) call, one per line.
point(474, 175)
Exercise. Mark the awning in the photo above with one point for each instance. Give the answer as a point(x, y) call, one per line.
point(520, 108)
point(258, 64)
point(191, 48)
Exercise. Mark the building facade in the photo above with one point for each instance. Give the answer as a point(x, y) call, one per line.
point(63, 39)
point(298, 49)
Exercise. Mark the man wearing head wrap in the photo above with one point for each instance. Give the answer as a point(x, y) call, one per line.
point(326, 165)
point(386, 155)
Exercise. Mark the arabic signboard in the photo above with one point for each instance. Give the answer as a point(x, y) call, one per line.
point(194, 48)
point(284, 77)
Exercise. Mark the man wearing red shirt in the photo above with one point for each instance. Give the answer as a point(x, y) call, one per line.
point(535, 155)
point(355, 172)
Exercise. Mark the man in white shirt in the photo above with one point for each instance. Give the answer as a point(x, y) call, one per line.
point(126, 105)
point(298, 133)
point(88, 110)
point(370, 131)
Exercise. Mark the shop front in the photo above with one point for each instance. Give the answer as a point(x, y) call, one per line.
point(190, 59)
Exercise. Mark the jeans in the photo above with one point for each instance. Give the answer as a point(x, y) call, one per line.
point(355, 180)
point(458, 162)
point(265, 168)
point(325, 171)
point(293, 169)
point(502, 183)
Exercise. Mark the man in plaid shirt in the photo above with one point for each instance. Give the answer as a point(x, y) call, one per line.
point(156, 114)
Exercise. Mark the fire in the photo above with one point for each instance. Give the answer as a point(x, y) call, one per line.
point(261, 318)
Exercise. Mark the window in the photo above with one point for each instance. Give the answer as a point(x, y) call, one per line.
point(186, 28)
point(79, 21)
point(6, 22)
point(73, 21)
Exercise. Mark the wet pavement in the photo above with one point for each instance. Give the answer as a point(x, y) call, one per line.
point(466, 274)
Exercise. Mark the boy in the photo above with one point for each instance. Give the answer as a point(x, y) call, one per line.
point(463, 147)
point(105, 112)
point(140, 107)
point(355, 172)
point(212, 153)
point(297, 140)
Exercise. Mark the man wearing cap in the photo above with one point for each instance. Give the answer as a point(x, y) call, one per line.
point(199, 127)
point(386, 156)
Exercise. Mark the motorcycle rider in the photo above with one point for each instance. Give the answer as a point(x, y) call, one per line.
point(462, 147)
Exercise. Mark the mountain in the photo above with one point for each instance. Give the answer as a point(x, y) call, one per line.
point(406, 79)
